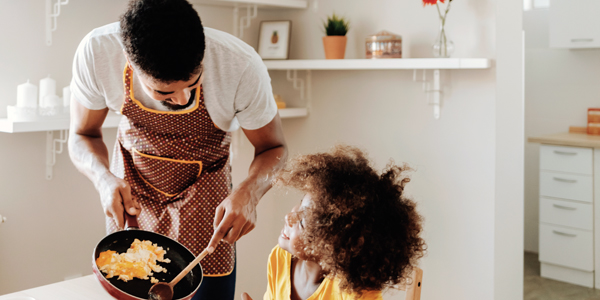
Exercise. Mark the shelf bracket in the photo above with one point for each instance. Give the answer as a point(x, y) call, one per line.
point(302, 85)
point(53, 147)
point(241, 23)
point(292, 76)
point(52, 13)
point(436, 90)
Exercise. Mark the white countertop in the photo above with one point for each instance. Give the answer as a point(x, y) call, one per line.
point(82, 288)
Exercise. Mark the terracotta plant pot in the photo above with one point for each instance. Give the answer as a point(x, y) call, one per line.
point(335, 46)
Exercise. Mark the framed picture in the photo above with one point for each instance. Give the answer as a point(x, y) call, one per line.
point(274, 39)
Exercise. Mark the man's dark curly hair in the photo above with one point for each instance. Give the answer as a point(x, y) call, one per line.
point(164, 38)
point(360, 227)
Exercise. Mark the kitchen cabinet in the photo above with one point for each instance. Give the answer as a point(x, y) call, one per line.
point(566, 214)
point(569, 237)
point(574, 24)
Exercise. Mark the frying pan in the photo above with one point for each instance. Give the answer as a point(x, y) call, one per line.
point(136, 288)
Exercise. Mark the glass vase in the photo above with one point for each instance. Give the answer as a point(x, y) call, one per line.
point(442, 47)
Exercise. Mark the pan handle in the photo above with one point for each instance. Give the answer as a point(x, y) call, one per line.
point(131, 222)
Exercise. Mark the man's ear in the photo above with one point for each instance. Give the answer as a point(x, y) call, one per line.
point(128, 61)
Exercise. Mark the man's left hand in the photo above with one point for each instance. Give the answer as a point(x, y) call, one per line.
point(236, 215)
point(234, 218)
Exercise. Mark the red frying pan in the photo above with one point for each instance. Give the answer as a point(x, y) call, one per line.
point(136, 288)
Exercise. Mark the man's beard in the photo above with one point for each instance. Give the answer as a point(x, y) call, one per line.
point(175, 107)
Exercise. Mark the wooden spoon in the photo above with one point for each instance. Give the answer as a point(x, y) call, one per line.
point(163, 290)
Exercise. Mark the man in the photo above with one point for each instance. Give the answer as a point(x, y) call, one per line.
point(182, 88)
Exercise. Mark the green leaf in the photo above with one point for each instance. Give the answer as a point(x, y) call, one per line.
point(336, 25)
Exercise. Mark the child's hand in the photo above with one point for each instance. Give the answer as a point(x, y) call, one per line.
point(245, 296)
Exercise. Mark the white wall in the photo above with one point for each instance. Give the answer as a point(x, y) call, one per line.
point(560, 85)
point(54, 225)
point(383, 112)
point(509, 114)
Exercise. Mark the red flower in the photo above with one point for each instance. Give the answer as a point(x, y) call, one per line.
point(432, 2)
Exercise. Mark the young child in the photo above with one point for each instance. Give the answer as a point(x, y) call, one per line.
point(353, 234)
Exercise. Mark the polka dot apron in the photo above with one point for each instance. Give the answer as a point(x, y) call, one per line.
point(177, 163)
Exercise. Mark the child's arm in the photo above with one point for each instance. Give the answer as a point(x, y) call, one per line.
point(245, 296)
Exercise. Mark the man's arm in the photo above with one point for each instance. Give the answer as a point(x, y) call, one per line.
point(236, 215)
point(90, 156)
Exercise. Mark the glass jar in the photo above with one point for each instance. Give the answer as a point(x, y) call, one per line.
point(384, 44)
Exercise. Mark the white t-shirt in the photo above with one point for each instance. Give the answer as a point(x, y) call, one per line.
point(237, 87)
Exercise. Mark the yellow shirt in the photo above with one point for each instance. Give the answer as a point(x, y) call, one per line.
point(280, 286)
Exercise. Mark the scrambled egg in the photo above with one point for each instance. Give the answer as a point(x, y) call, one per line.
point(139, 261)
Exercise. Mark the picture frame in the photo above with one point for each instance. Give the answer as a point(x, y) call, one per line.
point(274, 39)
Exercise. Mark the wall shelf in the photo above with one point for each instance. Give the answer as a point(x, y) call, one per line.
point(430, 86)
point(286, 113)
point(380, 64)
point(273, 4)
point(55, 146)
point(112, 121)
point(6, 125)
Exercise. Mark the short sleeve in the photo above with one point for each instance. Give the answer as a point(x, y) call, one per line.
point(254, 103)
point(84, 84)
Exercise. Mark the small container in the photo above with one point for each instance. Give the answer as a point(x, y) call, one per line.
point(47, 88)
point(384, 44)
point(593, 124)
point(27, 95)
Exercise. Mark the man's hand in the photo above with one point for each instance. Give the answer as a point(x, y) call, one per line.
point(234, 218)
point(115, 195)
point(90, 155)
point(236, 215)
point(245, 296)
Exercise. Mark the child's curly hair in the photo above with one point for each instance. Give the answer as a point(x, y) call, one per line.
point(360, 227)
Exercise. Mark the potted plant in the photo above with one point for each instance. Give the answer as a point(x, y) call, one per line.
point(335, 40)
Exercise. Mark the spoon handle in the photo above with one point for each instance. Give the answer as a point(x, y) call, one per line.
point(188, 268)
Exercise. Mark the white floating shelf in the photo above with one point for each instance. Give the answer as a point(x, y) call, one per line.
point(380, 64)
point(298, 4)
point(285, 113)
point(6, 125)
point(112, 121)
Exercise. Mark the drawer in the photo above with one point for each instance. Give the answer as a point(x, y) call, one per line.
point(584, 278)
point(566, 159)
point(567, 186)
point(573, 248)
point(566, 213)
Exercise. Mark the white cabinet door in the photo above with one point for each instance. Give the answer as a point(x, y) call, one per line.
point(566, 159)
point(568, 247)
point(567, 186)
point(566, 213)
point(575, 24)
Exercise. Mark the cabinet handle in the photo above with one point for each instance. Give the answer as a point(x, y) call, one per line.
point(564, 207)
point(565, 180)
point(564, 233)
point(582, 40)
point(565, 152)
point(2, 219)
